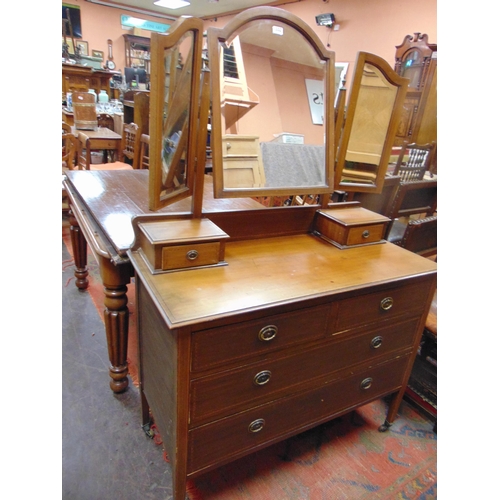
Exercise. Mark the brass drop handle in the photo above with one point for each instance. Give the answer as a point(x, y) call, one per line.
point(262, 377)
point(386, 304)
point(366, 383)
point(365, 234)
point(256, 425)
point(268, 333)
point(376, 342)
point(192, 255)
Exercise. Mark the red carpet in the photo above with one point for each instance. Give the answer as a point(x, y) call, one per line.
point(345, 459)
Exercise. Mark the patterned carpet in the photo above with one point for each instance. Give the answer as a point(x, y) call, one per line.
point(346, 458)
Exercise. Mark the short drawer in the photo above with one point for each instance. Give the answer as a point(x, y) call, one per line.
point(218, 346)
point(240, 146)
point(409, 300)
point(238, 435)
point(197, 254)
point(240, 389)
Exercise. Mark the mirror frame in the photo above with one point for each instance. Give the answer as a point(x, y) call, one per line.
point(216, 36)
point(402, 86)
point(160, 42)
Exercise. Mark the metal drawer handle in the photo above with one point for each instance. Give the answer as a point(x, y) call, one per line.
point(365, 234)
point(268, 333)
point(366, 383)
point(376, 342)
point(256, 425)
point(386, 304)
point(192, 255)
point(262, 377)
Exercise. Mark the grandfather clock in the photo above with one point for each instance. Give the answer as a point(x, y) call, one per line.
point(416, 59)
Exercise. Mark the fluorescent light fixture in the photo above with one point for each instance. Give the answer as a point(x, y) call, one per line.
point(171, 4)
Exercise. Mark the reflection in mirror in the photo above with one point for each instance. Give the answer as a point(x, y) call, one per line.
point(375, 105)
point(270, 77)
point(175, 73)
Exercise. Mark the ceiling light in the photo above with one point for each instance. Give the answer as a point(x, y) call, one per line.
point(172, 4)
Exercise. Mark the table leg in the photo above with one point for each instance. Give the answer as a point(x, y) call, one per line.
point(79, 245)
point(116, 315)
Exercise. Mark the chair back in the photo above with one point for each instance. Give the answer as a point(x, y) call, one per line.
point(131, 140)
point(69, 151)
point(144, 154)
point(105, 120)
point(418, 162)
point(84, 111)
point(418, 197)
point(421, 236)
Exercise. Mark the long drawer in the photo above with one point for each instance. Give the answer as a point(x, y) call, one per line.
point(219, 346)
point(235, 390)
point(238, 435)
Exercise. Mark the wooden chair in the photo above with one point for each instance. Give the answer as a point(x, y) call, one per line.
point(144, 152)
point(413, 198)
point(420, 237)
point(130, 150)
point(69, 158)
point(419, 161)
point(106, 120)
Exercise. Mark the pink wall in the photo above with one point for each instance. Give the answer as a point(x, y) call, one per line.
point(375, 26)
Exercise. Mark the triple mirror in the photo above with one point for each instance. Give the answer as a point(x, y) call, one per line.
point(175, 84)
point(272, 87)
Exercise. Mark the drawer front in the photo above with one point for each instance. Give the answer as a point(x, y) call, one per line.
point(365, 234)
point(238, 435)
point(409, 300)
point(240, 147)
point(218, 346)
point(242, 388)
point(180, 256)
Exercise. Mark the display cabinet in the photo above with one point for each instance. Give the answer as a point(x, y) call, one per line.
point(137, 52)
point(416, 59)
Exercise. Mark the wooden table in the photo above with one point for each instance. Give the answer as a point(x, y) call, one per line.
point(103, 204)
point(97, 140)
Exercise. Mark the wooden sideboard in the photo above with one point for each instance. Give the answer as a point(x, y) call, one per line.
point(76, 78)
point(292, 332)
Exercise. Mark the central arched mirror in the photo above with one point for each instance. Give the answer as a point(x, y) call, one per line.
point(272, 106)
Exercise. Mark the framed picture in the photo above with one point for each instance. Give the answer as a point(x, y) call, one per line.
point(84, 47)
point(69, 41)
point(98, 53)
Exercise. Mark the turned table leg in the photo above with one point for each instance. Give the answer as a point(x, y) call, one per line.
point(116, 316)
point(79, 245)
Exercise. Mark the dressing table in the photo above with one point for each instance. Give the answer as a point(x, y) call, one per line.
point(256, 325)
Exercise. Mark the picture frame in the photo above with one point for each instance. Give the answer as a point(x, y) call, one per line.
point(84, 47)
point(98, 53)
point(69, 41)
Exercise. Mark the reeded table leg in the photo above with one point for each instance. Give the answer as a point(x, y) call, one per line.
point(79, 245)
point(116, 315)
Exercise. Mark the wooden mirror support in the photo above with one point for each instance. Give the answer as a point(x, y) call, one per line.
point(268, 67)
point(175, 102)
point(373, 114)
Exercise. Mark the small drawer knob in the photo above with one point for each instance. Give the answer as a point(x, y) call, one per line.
point(256, 425)
point(228, 145)
point(366, 383)
point(365, 234)
point(262, 377)
point(192, 255)
point(386, 304)
point(268, 333)
point(376, 342)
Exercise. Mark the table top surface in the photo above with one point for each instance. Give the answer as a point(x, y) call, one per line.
point(276, 271)
point(100, 133)
point(113, 198)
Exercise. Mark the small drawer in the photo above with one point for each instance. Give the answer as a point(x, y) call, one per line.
point(181, 256)
point(236, 436)
point(348, 227)
point(408, 300)
point(219, 346)
point(236, 390)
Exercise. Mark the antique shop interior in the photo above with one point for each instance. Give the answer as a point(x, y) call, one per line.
point(249, 250)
